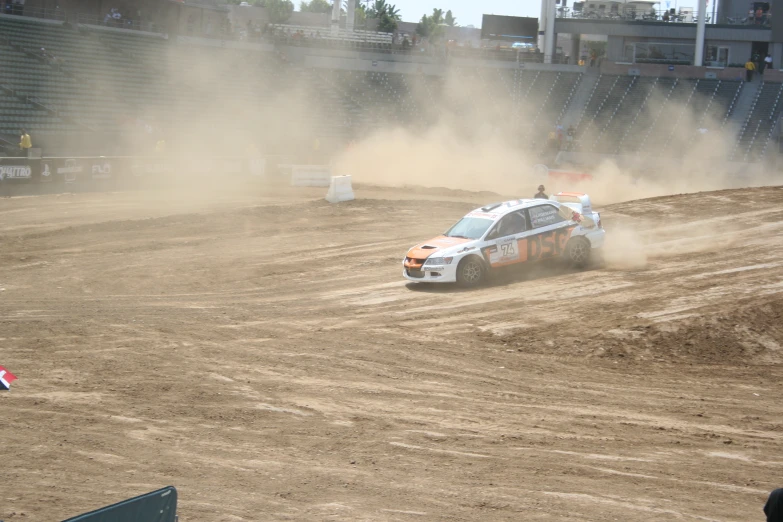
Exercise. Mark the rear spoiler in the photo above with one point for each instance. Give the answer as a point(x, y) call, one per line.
point(578, 198)
point(575, 206)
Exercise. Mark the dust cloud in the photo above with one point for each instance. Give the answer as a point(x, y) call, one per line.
point(210, 106)
point(625, 249)
point(630, 247)
point(466, 148)
point(462, 132)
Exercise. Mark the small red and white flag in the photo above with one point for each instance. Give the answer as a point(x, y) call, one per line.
point(6, 378)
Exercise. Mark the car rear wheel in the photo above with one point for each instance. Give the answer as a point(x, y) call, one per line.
point(578, 252)
point(470, 271)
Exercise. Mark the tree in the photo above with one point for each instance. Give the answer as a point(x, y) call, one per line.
point(360, 16)
point(315, 6)
point(279, 10)
point(386, 24)
point(393, 12)
point(423, 27)
point(377, 8)
point(450, 20)
point(387, 15)
point(432, 27)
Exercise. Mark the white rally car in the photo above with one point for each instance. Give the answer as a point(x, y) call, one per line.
point(502, 234)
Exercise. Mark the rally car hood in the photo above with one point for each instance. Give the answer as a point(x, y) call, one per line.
point(440, 244)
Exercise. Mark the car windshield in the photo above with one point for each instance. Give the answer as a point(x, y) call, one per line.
point(470, 228)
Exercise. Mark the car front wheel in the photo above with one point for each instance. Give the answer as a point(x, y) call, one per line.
point(471, 271)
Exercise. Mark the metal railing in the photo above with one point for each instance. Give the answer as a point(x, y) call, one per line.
point(661, 15)
point(629, 15)
point(61, 15)
point(34, 12)
point(107, 21)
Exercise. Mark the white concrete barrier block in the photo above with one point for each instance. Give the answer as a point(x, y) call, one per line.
point(340, 189)
point(310, 175)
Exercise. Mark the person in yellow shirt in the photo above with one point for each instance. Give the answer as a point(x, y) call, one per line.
point(749, 68)
point(25, 143)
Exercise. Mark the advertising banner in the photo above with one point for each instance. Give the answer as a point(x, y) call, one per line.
point(100, 168)
point(48, 171)
point(16, 172)
point(70, 170)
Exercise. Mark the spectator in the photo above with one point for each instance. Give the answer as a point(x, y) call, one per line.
point(666, 16)
point(570, 133)
point(760, 65)
point(25, 143)
point(749, 68)
point(774, 506)
point(406, 44)
point(768, 61)
point(540, 194)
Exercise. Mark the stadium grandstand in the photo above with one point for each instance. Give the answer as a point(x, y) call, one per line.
point(114, 80)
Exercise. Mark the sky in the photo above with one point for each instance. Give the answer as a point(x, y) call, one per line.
point(467, 12)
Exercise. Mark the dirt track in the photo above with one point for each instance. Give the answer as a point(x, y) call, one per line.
point(263, 355)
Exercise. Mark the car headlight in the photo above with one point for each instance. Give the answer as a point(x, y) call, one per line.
point(439, 261)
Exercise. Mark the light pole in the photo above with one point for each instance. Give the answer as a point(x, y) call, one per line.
point(698, 60)
point(335, 27)
point(549, 34)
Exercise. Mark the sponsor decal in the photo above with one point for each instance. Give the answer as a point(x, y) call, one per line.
point(70, 169)
point(489, 215)
point(509, 249)
point(548, 244)
point(543, 217)
point(505, 252)
point(533, 248)
point(101, 170)
point(15, 172)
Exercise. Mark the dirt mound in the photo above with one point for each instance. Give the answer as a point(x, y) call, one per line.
point(748, 334)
